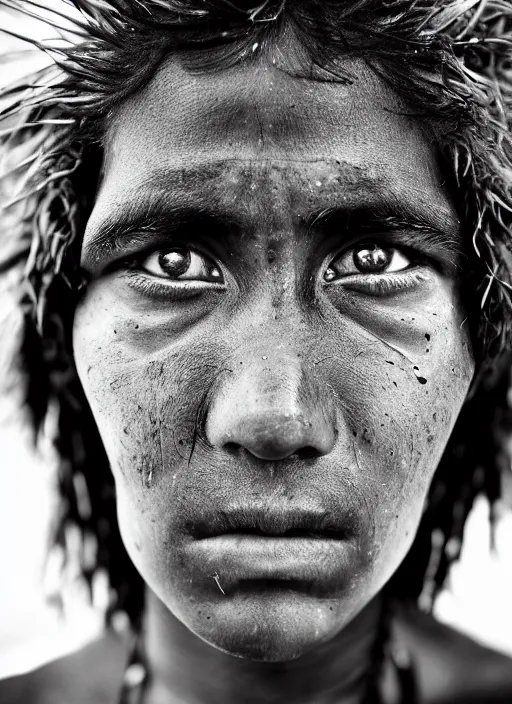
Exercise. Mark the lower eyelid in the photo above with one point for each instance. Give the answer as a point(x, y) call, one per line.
point(382, 283)
point(165, 288)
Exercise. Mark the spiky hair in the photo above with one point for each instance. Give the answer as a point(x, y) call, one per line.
point(450, 60)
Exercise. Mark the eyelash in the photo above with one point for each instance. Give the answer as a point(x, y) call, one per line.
point(382, 284)
point(371, 284)
point(165, 289)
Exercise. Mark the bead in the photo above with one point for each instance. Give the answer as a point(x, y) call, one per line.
point(135, 675)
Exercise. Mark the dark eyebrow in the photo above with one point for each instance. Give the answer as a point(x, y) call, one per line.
point(410, 226)
point(158, 216)
point(178, 201)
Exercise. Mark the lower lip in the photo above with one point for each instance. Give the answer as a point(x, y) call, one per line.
point(237, 558)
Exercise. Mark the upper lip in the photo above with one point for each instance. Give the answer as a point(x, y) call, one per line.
point(268, 521)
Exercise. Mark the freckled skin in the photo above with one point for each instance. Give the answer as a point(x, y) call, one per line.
point(278, 389)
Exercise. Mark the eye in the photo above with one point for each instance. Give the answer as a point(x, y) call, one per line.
point(369, 258)
point(181, 264)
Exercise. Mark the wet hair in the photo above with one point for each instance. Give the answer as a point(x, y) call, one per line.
point(449, 60)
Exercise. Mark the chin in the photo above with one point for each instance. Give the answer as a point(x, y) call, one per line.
point(268, 627)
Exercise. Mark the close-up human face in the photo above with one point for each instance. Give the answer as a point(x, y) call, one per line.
point(272, 344)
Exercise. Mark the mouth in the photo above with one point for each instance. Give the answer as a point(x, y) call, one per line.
point(261, 549)
point(268, 522)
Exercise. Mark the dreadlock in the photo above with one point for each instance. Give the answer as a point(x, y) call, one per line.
point(450, 60)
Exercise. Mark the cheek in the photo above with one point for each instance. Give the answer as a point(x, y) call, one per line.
point(412, 373)
point(146, 398)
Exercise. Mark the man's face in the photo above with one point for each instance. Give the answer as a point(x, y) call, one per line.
point(272, 345)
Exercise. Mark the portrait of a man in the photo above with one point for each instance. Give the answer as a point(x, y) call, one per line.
point(264, 262)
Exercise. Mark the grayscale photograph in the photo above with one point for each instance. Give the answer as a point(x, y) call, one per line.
point(256, 351)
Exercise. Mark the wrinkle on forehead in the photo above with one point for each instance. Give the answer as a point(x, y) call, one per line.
point(253, 110)
point(252, 117)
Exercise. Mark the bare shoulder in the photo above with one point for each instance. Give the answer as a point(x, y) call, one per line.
point(453, 668)
point(92, 674)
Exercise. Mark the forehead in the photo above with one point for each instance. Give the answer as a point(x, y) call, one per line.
point(186, 122)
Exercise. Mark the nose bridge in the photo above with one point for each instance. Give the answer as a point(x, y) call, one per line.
point(271, 407)
point(273, 382)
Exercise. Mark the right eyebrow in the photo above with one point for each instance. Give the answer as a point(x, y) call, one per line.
point(157, 218)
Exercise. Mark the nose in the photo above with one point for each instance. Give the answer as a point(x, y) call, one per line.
point(272, 410)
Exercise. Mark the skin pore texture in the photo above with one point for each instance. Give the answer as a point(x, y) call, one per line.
point(272, 414)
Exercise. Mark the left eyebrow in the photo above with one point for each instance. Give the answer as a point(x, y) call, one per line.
point(410, 226)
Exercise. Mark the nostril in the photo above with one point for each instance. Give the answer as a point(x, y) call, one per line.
point(271, 426)
point(302, 453)
point(274, 436)
point(307, 453)
point(232, 448)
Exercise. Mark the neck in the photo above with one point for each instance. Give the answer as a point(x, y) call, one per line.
point(185, 669)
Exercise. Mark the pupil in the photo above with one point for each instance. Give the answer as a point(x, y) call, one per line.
point(371, 258)
point(176, 262)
